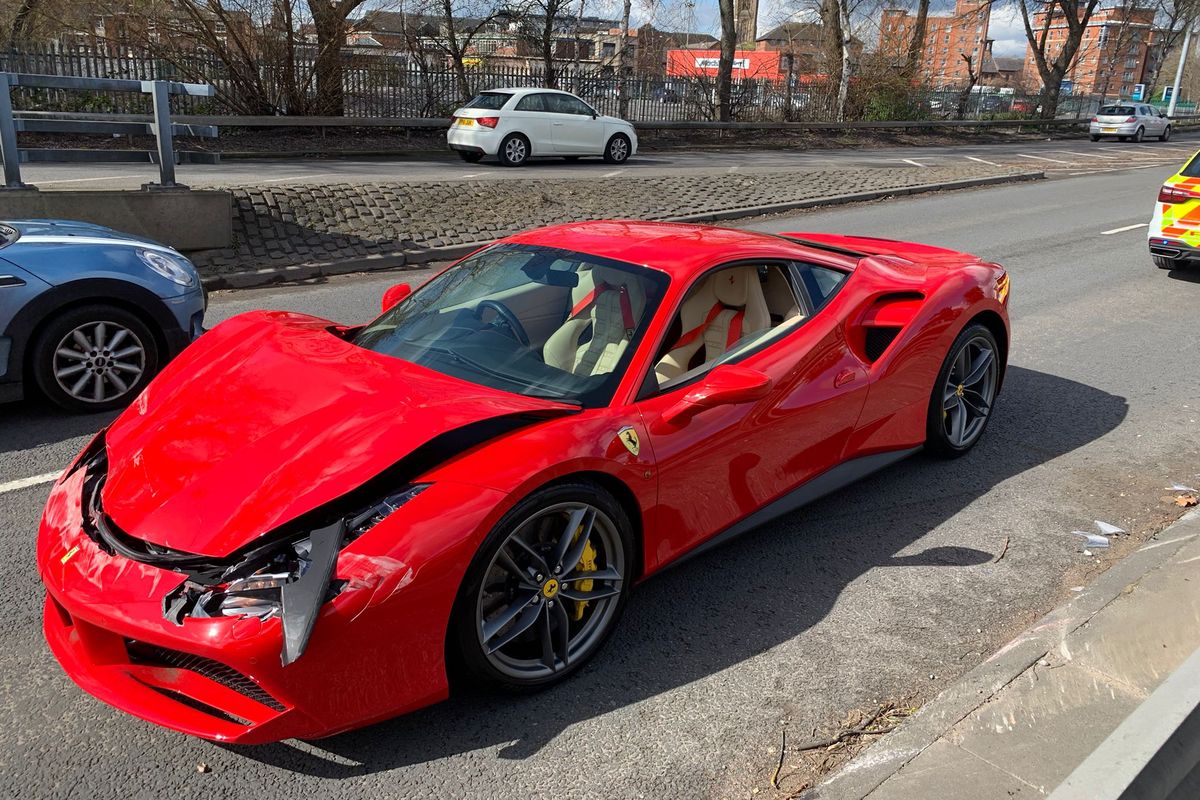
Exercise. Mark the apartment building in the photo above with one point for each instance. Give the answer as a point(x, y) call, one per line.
point(947, 39)
point(1118, 51)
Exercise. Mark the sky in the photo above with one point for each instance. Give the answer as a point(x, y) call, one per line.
point(1005, 27)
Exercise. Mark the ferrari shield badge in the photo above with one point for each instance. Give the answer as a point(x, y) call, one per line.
point(629, 438)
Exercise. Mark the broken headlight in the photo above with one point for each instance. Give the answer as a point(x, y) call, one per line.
point(290, 579)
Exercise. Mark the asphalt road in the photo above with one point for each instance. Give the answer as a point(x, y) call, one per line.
point(1057, 158)
point(888, 589)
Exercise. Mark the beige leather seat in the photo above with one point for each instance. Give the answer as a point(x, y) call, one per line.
point(725, 308)
point(595, 336)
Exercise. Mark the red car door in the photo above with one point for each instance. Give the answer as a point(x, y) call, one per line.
point(728, 461)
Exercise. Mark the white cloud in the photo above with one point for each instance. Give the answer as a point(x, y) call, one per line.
point(1008, 32)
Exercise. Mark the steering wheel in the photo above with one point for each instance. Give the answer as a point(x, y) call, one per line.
point(506, 316)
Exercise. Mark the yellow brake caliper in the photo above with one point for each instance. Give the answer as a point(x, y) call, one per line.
point(587, 563)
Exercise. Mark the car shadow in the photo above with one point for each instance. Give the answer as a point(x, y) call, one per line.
point(742, 599)
point(35, 422)
point(1188, 274)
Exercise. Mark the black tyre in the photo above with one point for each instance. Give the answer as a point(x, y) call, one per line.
point(1139, 134)
point(618, 149)
point(546, 589)
point(94, 358)
point(514, 150)
point(469, 156)
point(1162, 262)
point(1165, 136)
point(1095, 137)
point(571, 158)
point(964, 395)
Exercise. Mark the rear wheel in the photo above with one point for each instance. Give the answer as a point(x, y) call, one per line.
point(546, 589)
point(1139, 134)
point(514, 150)
point(1163, 262)
point(965, 393)
point(1165, 136)
point(94, 358)
point(1095, 137)
point(470, 156)
point(617, 149)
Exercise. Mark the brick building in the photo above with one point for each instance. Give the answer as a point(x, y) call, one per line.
point(947, 39)
point(1118, 50)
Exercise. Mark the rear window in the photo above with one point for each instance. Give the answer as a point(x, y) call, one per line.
point(491, 101)
point(1114, 111)
point(1192, 170)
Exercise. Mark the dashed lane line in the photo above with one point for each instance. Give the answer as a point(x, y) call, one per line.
point(982, 161)
point(1043, 158)
point(1126, 228)
point(25, 483)
point(914, 163)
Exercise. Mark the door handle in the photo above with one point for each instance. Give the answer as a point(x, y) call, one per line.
point(844, 377)
point(558, 124)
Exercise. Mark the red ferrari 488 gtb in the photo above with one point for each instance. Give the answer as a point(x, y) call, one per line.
point(299, 524)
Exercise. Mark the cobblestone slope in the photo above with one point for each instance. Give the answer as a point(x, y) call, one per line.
point(284, 226)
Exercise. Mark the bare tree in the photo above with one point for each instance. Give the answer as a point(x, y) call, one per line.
point(1053, 60)
point(964, 97)
point(460, 22)
point(916, 44)
point(622, 47)
point(725, 63)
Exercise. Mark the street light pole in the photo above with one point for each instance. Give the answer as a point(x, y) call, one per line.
point(1183, 54)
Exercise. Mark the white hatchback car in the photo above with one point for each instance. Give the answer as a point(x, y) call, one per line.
point(518, 124)
point(1130, 121)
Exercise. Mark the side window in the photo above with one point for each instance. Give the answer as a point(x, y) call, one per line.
point(819, 282)
point(573, 105)
point(531, 102)
point(725, 314)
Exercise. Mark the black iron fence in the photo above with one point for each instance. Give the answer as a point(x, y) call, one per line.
point(379, 85)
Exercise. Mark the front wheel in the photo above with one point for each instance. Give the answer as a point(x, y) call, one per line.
point(94, 358)
point(617, 150)
point(546, 589)
point(965, 393)
point(1165, 136)
point(514, 150)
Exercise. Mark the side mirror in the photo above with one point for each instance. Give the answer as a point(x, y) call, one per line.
point(394, 295)
point(725, 385)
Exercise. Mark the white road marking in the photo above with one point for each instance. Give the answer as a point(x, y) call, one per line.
point(914, 163)
point(81, 180)
point(612, 174)
point(981, 161)
point(471, 175)
point(25, 483)
point(732, 169)
point(1126, 228)
point(1042, 158)
point(1087, 155)
point(291, 178)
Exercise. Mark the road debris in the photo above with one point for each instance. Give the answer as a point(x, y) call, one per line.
point(1186, 500)
point(779, 766)
point(1179, 487)
point(1092, 539)
point(1003, 550)
point(1108, 529)
point(202, 768)
point(880, 721)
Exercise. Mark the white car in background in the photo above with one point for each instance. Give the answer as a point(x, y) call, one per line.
point(1130, 121)
point(518, 124)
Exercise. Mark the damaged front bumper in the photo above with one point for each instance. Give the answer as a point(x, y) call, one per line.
point(373, 650)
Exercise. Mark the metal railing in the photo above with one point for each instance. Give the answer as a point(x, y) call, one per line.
point(159, 126)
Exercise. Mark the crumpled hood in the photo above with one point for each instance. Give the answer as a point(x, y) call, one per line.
point(270, 415)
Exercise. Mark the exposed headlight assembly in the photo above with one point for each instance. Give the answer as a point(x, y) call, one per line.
point(176, 269)
point(290, 579)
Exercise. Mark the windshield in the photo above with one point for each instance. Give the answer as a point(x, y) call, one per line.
point(537, 321)
point(1116, 111)
point(491, 101)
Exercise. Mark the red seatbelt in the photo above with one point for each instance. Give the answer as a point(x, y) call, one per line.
point(735, 327)
point(590, 298)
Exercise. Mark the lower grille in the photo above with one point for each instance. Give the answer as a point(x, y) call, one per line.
point(154, 656)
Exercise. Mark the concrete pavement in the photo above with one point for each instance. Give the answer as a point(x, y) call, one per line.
point(1038, 708)
point(889, 589)
point(1059, 157)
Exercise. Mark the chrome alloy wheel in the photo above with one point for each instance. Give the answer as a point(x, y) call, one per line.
point(515, 150)
point(551, 591)
point(618, 149)
point(99, 361)
point(969, 392)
